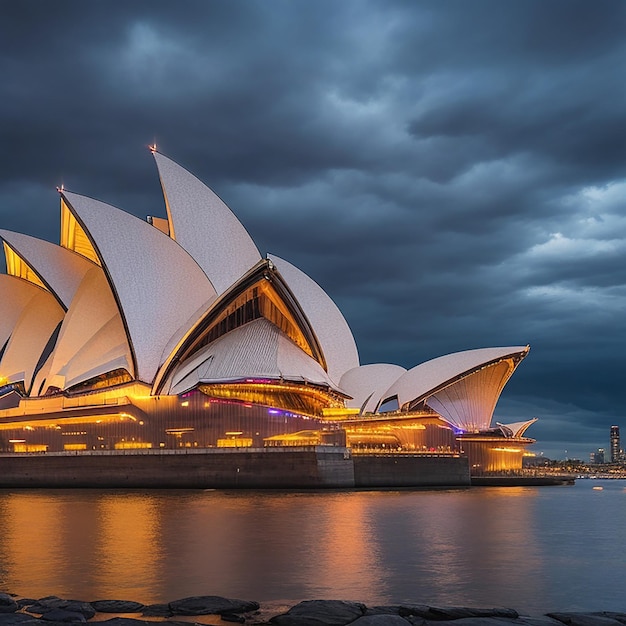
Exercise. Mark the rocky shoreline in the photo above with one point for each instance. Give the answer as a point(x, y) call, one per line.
point(52, 611)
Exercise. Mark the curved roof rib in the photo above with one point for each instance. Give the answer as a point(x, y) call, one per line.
point(258, 349)
point(59, 269)
point(93, 313)
point(463, 387)
point(330, 326)
point(156, 284)
point(31, 333)
point(202, 224)
point(367, 383)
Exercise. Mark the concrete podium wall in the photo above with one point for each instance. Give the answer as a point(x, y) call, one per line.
point(260, 468)
point(407, 470)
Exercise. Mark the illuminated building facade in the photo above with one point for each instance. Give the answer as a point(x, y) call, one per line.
point(176, 333)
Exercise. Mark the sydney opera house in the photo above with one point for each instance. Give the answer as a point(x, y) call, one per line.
point(175, 332)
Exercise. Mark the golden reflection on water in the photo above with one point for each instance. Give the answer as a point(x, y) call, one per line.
point(126, 541)
point(487, 546)
point(33, 530)
point(55, 543)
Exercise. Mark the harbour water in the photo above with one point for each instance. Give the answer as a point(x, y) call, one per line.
point(535, 549)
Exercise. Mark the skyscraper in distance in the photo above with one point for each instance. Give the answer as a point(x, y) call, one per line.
point(615, 444)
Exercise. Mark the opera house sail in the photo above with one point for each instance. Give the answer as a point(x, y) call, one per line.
point(176, 333)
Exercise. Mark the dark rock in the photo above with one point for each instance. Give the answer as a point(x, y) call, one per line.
point(38, 608)
point(125, 621)
point(585, 619)
point(459, 612)
point(156, 610)
point(46, 601)
point(232, 617)
point(7, 619)
point(402, 610)
point(22, 602)
point(320, 613)
point(541, 620)
point(132, 621)
point(211, 605)
point(117, 606)
point(7, 603)
point(620, 617)
point(44, 605)
point(474, 621)
point(382, 619)
point(62, 615)
point(383, 609)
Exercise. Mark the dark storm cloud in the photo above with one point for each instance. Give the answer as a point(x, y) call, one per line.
point(451, 173)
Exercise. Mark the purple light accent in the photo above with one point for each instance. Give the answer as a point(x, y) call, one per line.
point(191, 392)
point(274, 411)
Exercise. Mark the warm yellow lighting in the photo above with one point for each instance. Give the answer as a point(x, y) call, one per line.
point(185, 403)
point(235, 442)
point(339, 412)
point(234, 432)
point(17, 266)
point(302, 399)
point(78, 420)
point(507, 449)
point(30, 447)
point(74, 446)
point(73, 236)
point(179, 431)
point(132, 445)
point(301, 438)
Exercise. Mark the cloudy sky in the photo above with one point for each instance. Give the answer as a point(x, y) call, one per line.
point(453, 173)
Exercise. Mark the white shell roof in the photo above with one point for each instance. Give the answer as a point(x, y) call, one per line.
point(92, 339)
point(518, 428)
point(470, 401)
point(256, 350)
point(15, 294)
point(428, 376)
point(156, 283)
point(202, 224)
point(30, 335)
point(106, 351)
point(59, 268)
point(368, 383)
point(328, 323)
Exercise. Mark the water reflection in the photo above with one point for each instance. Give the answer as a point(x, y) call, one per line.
point(127, 540)
point(525, 548)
